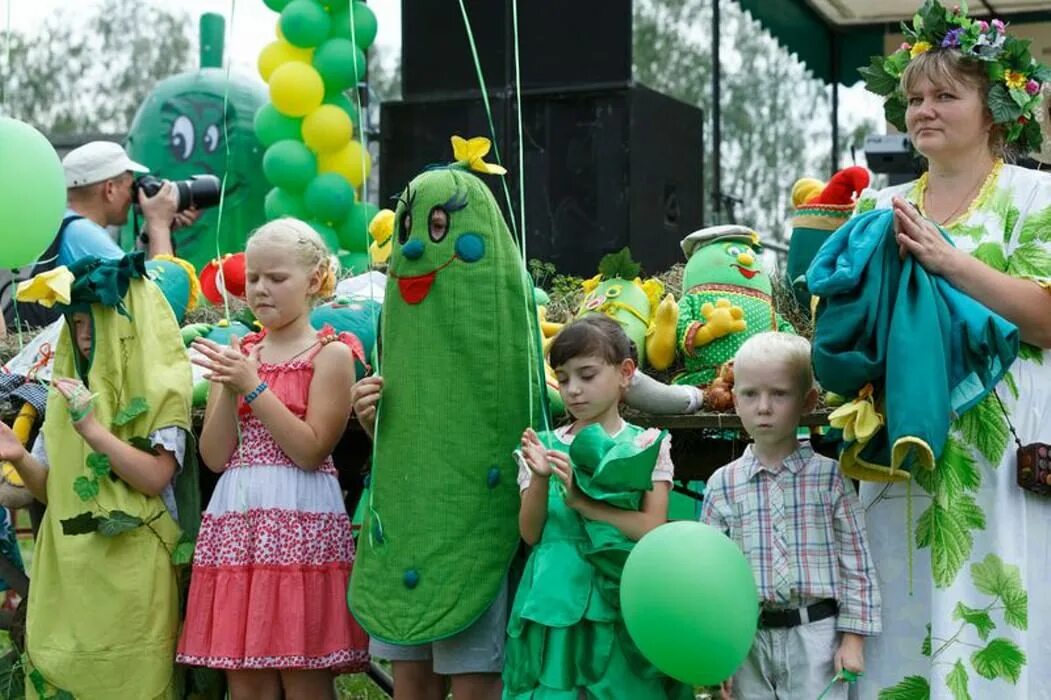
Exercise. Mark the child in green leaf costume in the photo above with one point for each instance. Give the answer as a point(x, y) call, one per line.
point(103, 608)
point(589, 490)
point(727, 298)
point(461, 376)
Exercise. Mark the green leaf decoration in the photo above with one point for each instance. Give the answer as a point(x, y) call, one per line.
point(63, 695)
point(992, 254)
point(981, 619)
point(961, 230)
point(82, 524)
point(947, 531)
point(876, 77)
point(133, 410)
point(926, 648)
point(985, 427)
point(894, 110)
point(1029, 260)
point(86, 488)
point(1016, 609)
point(39, 684)
point(1031, 353)
point(1043, 73)
point(993, 577)
point(956, 681)
point(1036, 227)
point(118, 522)
point(865, 204)
point(619, 264)
point(955, 473)
point(141, 443)
point(911, 688)
point(183, 552)
point(1003, 108)
point(99, 464)
point(1021, 97)
point(1012, 385)
point(1001, 658)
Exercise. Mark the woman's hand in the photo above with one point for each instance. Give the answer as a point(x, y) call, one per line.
point(364, 397)
point(920, 238)
point(228, 365)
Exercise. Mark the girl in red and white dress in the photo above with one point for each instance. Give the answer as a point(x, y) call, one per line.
point(268, 593)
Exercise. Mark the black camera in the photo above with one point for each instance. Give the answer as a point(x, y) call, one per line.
point(201, 191)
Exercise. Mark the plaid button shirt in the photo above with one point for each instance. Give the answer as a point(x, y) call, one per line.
point(802, 530)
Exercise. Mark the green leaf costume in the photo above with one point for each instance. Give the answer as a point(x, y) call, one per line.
point(457, 356)
point(104, 610)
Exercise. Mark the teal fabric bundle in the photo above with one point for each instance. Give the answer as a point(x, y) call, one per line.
point(929, 351)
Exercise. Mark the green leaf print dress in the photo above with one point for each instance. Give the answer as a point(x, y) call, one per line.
point(963, 554)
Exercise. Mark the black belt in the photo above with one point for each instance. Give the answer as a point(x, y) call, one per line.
point(798, 616)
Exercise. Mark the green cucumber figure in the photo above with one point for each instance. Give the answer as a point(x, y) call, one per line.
point(726, 299)
point(457, 357)
point(179, 132)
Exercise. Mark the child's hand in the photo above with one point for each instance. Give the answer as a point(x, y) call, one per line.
point(563, 469)
point(228, 365)
point(11, 448)
point(364, 397)
point(79, 401)
point(726, 689)
point(851, 653)
point(535, 454)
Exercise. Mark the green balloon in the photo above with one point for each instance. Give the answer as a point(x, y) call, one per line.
point(334, 6)
point(690, 602)
point(329, 198)
point(328, 235)
point(271, 126)
point(354, 233)
point(341, 100)
point(280, 203)
point(340, 64)
point(305, 23)
point(365, 27)
point(276, 5)
point(354, 263)
point(32, 193)
point(290, 165)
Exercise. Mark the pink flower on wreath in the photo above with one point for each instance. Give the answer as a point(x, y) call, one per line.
point(983, 26)
point(905, 46)
point(998, 25)
point(1032, 87)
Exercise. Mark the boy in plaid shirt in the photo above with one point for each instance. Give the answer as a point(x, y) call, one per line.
point(801, 527)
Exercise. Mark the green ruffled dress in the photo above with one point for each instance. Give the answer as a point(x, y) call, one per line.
point(566, 638)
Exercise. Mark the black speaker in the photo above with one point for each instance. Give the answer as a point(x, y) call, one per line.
point(584, 42)
point(603, 169)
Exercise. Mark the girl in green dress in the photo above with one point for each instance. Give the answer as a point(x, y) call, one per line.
point(589, 491)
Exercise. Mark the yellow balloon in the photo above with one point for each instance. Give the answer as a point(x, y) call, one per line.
point(328, 128)
point(296, 89)
point(352, 162)
point(279, 52)
point(277, 30)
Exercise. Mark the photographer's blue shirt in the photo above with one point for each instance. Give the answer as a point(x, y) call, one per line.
point(84, 237)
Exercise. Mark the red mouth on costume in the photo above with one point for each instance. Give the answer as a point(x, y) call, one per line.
point(416, 288)
point(745, 272)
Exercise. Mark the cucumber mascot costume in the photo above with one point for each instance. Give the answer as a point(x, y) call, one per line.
point(462, 380)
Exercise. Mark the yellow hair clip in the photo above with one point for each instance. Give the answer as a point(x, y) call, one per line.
point(471, 153)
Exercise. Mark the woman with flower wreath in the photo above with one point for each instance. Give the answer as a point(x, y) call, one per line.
point(962, 550)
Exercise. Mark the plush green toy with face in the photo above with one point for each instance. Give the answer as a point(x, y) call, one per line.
point(462, 380)
point(179, 131)
point(727, 298)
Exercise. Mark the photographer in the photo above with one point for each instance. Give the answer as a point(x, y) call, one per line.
point(99, 186)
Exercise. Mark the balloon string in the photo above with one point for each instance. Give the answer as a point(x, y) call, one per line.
point(220, 278)
point(7, 64)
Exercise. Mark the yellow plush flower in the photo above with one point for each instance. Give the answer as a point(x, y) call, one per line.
point(472, 152)
point(47, 288)
point(859, 420)
point(918, 48)
point(1014, 80)
point(381, 228)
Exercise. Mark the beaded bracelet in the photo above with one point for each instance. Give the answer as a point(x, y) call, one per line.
point(255, 393)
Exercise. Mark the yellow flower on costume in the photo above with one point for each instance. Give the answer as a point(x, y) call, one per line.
point(47, 288)
point(1014, 80)
point(472, 152)
point(381, 228)
point(859, 420)
point(918, 48)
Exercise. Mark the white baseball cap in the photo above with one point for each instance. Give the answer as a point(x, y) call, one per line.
point(97, 161)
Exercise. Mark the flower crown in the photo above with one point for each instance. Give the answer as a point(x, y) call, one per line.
point(1016, 77)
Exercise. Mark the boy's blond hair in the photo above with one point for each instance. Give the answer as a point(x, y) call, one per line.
point(775, 346)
